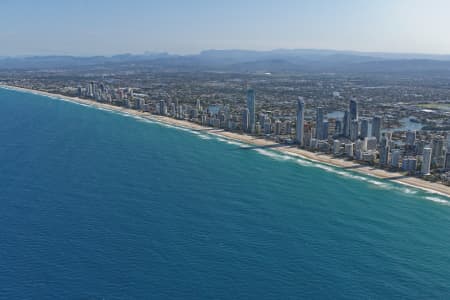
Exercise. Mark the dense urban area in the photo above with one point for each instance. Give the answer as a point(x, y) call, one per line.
point(392, 121)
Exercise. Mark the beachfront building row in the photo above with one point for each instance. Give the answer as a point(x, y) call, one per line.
point(352, 136)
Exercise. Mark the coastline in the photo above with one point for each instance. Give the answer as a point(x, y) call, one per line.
point(290, 150)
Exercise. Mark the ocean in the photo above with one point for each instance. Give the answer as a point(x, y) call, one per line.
point(99, 205)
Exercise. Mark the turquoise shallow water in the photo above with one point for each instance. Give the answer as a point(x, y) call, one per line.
point(98, 205)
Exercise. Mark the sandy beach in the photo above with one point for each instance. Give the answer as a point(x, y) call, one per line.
point(264, 144)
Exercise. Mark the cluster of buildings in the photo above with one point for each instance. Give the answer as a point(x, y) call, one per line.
point(363, 139)
point(118, 96)
point(352, 136)
point(356, 137)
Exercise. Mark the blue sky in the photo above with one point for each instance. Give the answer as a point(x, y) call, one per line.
point(188, 26)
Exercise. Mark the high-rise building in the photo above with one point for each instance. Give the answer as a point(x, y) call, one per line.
point(246, 120)
point(364, 128)
point(162, 108)
point(349, 150)
point(384, 148)
point(346, 125)
point(336, 147)
point(319, 124)
point(198, 105)
point(251, 103)
point(277, 127)
point(353, 109)
point(288, 127)
point(90, 90)
point(139, 104)
point(395, 158)
point(426, 161)
point(325, 130)
point(447, 161)
point(262, 119)
point(337, 127)
point(300, 121)
point(354, 130)
point(371, 143)
point(447, 146)
point(267, 126)
point(376, 127)
point(409, 164)
point(437, 149)
point(257, 128)
point(410, 138)
point(384, 156)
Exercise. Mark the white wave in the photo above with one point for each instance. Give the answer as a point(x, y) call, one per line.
point(409, 191)
point(377, 183)
point(234, 143)
point(145, 120)
point(82, 104)
point(220, 138)
point(106, 109)
point(303, 162)
point(204, 137)
point(273, 155)
point(438, 200)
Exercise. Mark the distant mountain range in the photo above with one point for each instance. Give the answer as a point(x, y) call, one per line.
point(280, 60)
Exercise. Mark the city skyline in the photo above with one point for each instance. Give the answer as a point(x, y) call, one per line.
point(104, 28)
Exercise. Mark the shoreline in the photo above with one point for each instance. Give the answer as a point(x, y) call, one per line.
point(290, 150)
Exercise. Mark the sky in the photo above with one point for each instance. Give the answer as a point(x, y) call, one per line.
point(106, 27)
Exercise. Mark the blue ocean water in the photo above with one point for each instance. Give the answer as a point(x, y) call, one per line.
point(98, 205)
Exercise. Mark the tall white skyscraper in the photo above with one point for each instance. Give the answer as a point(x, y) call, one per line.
point(245, 120)
point(300, 121)
point(251, 103)
point(198, 105)
point(426, 162)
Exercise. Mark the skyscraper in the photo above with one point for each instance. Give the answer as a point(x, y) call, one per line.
point(353, 109)
point(325, 129)
point(447, 161)
point(395, 158)
point(384, 148)
point(319, 123)
point(245, 120)
point(376, 127)
point(251, 108)
point(410, 138)
point(364, 128)
point(437, 152)
point(354, 130)
point(346, 124)
point(277, 127)
point(300, 121)
point(426, 162)
point(198, 105)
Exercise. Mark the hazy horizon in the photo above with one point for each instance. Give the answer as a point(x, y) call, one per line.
point(150, 52)
point(87, 28)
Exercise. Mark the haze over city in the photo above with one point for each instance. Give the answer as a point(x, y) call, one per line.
point(186, 27)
